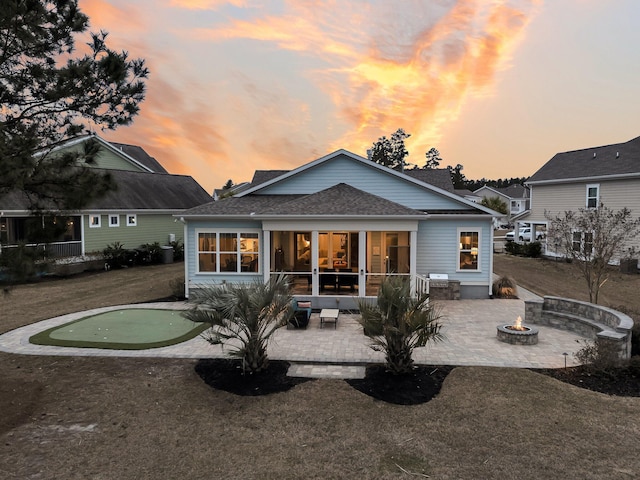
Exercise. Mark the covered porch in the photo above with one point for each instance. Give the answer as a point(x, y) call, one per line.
point(334, 266)
point(56, 236)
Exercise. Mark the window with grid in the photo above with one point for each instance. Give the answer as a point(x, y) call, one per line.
point(469, 251)
point(228, 251)
point(593, 195)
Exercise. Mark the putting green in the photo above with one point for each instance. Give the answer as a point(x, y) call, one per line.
point(127, 329)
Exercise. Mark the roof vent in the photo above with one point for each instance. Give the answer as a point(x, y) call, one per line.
point(617, 154)
point(594, 154)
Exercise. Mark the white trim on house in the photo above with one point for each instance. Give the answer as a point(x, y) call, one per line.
point(596, 198)
point(619, 176)
point(104, 143)
point(462, 249)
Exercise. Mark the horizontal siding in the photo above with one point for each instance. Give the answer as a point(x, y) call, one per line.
point(108, 159)
point(343, 169)
point(191, 247)
point(556, 199)
point(149, 229)
point(438, 247)
point(559, 198)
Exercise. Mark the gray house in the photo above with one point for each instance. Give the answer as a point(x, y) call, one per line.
point(584, 178)
point(139, 211)
point(338, 226)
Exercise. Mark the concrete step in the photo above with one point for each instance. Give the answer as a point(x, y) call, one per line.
point(325, 370)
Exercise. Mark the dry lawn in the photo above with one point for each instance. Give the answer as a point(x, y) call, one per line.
point(117, 418)
point(561, 279)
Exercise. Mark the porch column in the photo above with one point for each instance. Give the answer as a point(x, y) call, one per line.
point(315, 278)
point(266, 254)
point(413, 258)
point(82, 237)
point(362, 263)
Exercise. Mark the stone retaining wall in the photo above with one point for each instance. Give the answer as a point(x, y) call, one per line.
point(584, 318)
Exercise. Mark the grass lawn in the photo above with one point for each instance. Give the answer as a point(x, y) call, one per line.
point(127, 418)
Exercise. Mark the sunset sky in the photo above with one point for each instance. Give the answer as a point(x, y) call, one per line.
point(498, 86)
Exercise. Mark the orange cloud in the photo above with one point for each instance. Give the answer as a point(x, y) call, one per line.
point(206, 4)
point(361, 69)
point(389, 66)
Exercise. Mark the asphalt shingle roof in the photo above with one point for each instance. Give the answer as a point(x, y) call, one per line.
point(340, 199)
point(438, 177)
point(616, 159)
point(135, 191)
point(138, 153)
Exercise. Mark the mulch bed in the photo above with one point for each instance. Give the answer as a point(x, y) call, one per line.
point(226, 374)
point(623, 382)
point(420, 386)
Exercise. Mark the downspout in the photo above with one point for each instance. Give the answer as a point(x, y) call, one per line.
point(491, 262)
point(185, 245)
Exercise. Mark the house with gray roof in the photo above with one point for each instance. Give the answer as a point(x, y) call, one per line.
point(515, 196)
point(338, 226)
point(585, 178)
point(140, 210)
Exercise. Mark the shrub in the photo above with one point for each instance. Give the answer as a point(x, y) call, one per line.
point(116, 256)
point(149, 254)
point(504, 287)
point(513, 248)
point(532, 249)
point(22, 264)
point(600, 356)
point(178, 251)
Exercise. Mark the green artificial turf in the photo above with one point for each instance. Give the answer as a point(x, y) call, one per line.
point(127, 329)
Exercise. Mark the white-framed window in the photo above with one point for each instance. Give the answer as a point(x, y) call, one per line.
point(132, 220)
point(593, 195)
point(228, 251)
point(582, 242)
point(114, 220)
point(95, 221)
point(469, 249)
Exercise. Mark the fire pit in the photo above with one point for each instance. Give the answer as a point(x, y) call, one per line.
point(518, 334)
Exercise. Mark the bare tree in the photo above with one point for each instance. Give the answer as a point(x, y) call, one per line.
point(592, 238)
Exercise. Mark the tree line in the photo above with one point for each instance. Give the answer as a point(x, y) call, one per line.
point(391, 152)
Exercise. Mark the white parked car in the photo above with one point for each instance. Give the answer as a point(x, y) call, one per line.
point(524, 234)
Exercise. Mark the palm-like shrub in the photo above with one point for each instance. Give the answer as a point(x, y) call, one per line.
point(399, 322)
point(244, 316)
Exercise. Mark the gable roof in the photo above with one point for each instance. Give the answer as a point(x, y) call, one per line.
point(440, 176)
point(141, 156)
point(512, 191)
point(609, 161)
point(338, 200)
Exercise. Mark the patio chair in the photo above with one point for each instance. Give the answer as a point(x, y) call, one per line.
point(301, 314)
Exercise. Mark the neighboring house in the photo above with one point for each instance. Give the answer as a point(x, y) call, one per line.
point(585, 178)
point(515, 196)
point(338, 225)
point(141, 210)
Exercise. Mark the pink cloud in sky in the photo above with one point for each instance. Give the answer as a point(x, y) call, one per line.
point(273, 88)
